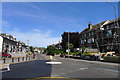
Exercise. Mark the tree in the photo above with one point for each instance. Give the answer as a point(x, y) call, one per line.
point(31, 49)
point(58, 51)
point(69, 46)
point(50, 48)
point(83, 49)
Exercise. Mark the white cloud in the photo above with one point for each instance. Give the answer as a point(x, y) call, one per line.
point(36, 39)
point(36, 30)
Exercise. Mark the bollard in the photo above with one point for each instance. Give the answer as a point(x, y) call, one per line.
point(12, 59)
point(33, 56)
point(18, 59)
point(3, 60)
point(26, 58)
point(23, 59)
point(29, 57)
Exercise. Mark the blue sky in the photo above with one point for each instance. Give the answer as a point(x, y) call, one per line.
point(43, 22)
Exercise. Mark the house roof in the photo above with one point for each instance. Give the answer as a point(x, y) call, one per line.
point(93, 27)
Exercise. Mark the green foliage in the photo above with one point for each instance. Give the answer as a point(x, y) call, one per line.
point(83, 49)
point(58, 52)
point(72, 53)
point(112, 58)
point(76, 53)
point(87, 54)
point(50, 49)
point(69, 45)
point(31, 49)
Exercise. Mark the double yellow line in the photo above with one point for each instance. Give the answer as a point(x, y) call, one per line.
point(52, 78)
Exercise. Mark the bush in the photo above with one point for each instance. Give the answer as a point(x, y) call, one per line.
point(112, 58)
point(87, 54)
point(58, 52)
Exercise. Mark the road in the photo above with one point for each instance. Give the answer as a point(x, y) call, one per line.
point(70, 68)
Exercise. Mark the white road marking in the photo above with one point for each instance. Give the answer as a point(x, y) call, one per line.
point(110, 70)
point(53, 62)
point(83, 68)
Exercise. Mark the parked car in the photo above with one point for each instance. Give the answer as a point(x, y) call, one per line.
point(77, 57)
point(87, 57)
point(6, 55)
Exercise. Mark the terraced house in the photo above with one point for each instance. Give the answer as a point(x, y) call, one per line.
point(10, 45)
point(104, 36)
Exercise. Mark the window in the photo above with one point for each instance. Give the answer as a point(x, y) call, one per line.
point(109, 33)
point(82, 41)
point(92, 33)
point(107, 27)
point(89, 34)
point(89, 40)
point(85, 35)
point(112, 25)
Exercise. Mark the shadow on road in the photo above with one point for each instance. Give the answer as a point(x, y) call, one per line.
point(32, 69)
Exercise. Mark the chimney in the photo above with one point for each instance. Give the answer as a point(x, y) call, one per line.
point(90, 25)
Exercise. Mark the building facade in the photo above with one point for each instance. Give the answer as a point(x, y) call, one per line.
point(104, 36)
point(88, 37)
point(109, 37)
point(11, 45)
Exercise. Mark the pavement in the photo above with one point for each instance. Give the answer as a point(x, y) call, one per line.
point(70, 69)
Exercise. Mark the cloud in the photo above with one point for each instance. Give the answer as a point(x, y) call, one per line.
point(36, 39)
point(41, 15)
point(36, 30)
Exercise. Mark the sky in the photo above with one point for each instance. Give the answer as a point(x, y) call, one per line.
point(42, 23)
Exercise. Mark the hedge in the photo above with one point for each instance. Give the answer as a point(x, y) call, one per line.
point(87, 54)
point(112, 58)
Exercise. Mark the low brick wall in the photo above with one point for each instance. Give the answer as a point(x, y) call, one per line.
point(17, 59)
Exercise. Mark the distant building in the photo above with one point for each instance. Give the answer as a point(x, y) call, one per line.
point(58, 46)
point(9, 44)
point(73, 38)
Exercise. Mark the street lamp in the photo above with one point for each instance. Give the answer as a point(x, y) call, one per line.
point(68, 42)
point(28, 42)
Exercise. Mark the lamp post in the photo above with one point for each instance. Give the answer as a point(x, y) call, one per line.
point(68, 42)
point(28, 42)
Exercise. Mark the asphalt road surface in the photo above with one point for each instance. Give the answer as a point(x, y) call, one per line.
point(69, 69)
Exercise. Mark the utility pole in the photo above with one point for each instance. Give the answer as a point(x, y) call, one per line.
point(27, 42)
point(68, 42)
